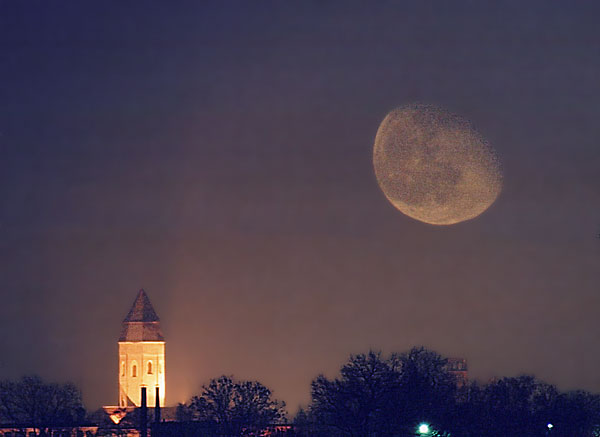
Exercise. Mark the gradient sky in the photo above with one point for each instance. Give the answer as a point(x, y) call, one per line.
point(220, 156)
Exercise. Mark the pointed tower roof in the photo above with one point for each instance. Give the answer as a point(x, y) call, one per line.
point(141, 310)
point(141, 323)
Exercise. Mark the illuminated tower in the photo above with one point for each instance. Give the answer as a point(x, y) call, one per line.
point(141, 355)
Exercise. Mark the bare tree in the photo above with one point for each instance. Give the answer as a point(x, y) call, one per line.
point(34, 403)
point(236, 407)
point(357, 403)
point(383, 396)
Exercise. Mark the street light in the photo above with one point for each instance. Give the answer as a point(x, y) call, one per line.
point(423, 429)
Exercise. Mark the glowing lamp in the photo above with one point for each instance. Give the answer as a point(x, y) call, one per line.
point(423, 428)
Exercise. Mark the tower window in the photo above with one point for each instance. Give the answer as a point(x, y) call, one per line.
point(123, 368)
point(134, 370)
point(149, 367)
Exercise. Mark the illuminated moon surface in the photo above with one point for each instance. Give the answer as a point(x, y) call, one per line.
point(434, 167)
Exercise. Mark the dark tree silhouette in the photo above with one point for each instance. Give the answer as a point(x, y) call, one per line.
point(358, 403)
point(427, 390)
point(377, 396)
point(304, 425)
point(504, 407)
point(32, 402)
point(524, 406)
point(576, 413)
point(236, 407)
point(183, 413)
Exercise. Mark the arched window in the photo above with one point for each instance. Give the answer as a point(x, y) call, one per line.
point(134, 369)
point(149, 367)
point(123, 368)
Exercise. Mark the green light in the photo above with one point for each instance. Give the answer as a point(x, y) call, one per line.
point(423, 428)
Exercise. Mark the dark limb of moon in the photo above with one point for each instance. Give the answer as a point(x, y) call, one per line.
point(434, 167)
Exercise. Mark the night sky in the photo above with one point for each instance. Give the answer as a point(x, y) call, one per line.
point(219, 155)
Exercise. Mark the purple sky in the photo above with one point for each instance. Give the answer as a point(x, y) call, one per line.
point(220, 156)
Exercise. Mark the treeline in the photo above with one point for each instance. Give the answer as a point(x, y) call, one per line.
point(38, 404)
point(406, 394)
point(395, 396)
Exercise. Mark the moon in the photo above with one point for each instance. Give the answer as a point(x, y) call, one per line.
point(433, 166)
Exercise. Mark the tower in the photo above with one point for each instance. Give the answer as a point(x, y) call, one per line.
point(459, 369)
point(141, 355)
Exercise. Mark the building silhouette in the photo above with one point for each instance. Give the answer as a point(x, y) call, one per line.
point(459, 369)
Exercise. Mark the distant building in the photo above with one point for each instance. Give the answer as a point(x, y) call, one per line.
point(458, 367)
point(141, 355)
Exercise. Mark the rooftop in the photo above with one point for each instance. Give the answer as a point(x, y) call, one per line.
point(141, 323)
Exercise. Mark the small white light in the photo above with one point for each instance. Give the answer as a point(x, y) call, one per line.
point(424, 428)
point(550, 426)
